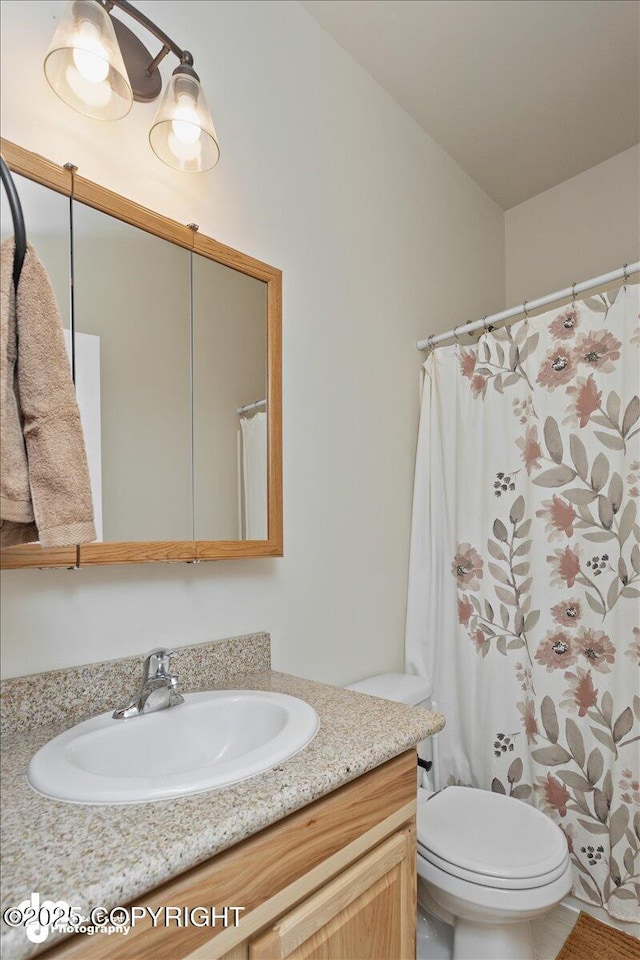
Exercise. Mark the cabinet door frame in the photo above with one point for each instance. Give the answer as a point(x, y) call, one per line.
point(67, 181)
point(307, 920)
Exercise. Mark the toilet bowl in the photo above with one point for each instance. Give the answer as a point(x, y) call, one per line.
point(487, 863)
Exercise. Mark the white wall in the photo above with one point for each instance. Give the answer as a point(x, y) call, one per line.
point(580, 229)
point(382, 239)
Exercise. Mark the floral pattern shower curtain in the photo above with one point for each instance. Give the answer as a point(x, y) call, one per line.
point(525, 575)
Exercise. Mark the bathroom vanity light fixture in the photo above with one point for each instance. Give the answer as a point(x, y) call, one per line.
point(98, 66)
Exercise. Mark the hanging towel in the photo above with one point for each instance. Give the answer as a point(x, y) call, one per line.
point(45, 493)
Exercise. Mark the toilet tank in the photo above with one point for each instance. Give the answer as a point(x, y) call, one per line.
point(399, 687)
point(415, 692)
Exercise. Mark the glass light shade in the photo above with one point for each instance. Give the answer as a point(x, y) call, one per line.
point(182, 135)
point(84, 65)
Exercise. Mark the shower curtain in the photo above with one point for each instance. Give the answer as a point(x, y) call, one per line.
point(254, 476)
point(524, 580)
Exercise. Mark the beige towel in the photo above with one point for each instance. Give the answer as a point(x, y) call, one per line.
point(45, 493)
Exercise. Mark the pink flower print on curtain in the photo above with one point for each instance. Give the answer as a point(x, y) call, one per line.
point(586, 400)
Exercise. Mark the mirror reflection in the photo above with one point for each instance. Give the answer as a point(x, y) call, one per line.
point(229, 403)
point(131, 309)
point(170, 360)
point(47, 215)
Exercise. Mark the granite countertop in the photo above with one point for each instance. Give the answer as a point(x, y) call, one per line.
point(109, 855)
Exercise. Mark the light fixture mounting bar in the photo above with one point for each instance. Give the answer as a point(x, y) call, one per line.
point(141, 65)
point(171, 46)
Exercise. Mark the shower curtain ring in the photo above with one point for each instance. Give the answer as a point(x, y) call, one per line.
point(573, 294)
point(524, 308)
point(485, 325)
point(626, 275)
point(455, 336)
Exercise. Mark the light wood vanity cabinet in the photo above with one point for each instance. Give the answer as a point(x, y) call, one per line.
point(335, 880)
point(359, 914)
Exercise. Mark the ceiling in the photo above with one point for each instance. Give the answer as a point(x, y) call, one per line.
point(523, 94)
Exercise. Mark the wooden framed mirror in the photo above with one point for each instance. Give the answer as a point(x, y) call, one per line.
point(177, 354)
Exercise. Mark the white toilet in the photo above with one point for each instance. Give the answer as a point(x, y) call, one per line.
point(487, 864)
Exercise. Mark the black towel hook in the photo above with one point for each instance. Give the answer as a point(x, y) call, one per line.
point(19, 230)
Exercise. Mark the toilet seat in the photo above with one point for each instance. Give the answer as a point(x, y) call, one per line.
point(490, 839)
point(498, 883)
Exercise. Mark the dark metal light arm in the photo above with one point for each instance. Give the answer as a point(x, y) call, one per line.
point(168, 45)
point(141, 65)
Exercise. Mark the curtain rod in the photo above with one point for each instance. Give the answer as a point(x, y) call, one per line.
point(622, 274)
point(251, 406)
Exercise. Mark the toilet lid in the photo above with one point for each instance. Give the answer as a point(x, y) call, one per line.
point(473, 832)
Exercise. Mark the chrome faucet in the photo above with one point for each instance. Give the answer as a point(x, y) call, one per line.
point(158, 689)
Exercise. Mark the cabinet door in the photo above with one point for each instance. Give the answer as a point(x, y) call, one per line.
point(367, 913)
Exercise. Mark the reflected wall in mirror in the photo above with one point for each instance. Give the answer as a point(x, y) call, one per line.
point(46, 214)
point(131, 308)
point(229, 376)
point(173, 334)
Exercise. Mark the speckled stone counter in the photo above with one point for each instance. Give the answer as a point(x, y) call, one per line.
point(109, 855)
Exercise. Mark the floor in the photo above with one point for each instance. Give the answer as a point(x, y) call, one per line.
point(549, 933)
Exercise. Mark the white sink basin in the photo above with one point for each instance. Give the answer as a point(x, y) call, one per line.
point(211, 740)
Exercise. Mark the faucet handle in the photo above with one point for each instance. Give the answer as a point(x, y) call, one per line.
point(157, 664)
point(158, 689)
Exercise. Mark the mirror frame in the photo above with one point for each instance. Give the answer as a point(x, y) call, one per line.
point(65, 180)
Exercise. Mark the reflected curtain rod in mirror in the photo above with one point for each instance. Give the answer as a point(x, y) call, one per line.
point(208, 305)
